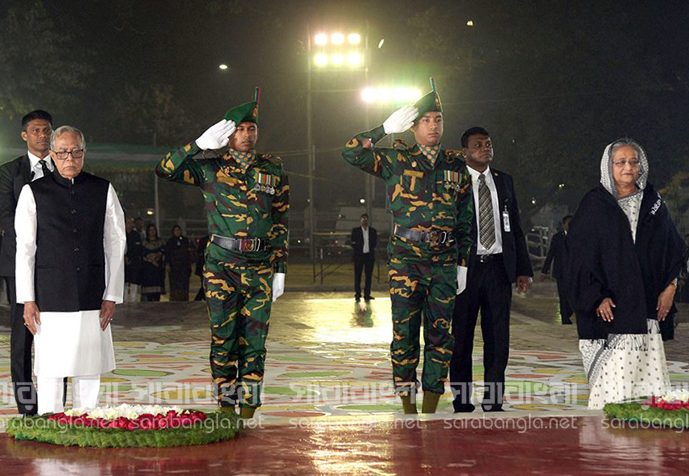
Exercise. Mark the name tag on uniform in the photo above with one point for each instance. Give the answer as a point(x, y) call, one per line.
point(506, 220)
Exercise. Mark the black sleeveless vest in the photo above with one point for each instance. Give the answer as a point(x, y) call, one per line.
point(70, 259)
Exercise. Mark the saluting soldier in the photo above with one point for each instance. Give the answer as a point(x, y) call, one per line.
point(247, 201)
point(430, 200)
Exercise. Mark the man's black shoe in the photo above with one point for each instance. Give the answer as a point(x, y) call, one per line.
point(567, 322)
point(368, 298)
point(492, 408)
point(463, 407)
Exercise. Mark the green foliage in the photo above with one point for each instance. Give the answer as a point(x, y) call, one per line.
point(39, 65)
point(151, 114)
point(218, 426)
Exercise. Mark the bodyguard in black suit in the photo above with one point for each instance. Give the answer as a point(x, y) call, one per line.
point(556, 258)
point(499, 257)
point(364, 256)
point(36, 130)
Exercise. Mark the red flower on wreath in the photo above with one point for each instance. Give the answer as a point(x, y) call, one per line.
point(146, 421)
point(659, 402)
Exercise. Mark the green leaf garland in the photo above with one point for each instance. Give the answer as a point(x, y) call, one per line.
point(647, 416)
point(218, 426)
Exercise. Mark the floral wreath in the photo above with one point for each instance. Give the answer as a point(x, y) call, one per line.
point(668, 411)
point(127, 426)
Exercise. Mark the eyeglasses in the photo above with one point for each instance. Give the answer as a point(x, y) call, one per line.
point(623, 163)
point(75, 153)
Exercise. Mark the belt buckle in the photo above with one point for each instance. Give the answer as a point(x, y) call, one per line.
point(250, 244)
point(247, 245)
point(437, 237)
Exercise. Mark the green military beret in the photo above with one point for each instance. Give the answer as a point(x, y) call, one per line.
point(247, 112)
point(430, 102)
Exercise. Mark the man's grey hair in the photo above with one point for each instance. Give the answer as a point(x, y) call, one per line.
point(67, 129)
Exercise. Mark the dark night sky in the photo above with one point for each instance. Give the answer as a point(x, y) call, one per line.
point(554, 81)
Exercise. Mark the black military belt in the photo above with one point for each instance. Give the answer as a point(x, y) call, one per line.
point(240, 244)
point(433, 237)
point(487, 258)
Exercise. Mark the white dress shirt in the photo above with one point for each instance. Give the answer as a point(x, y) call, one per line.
point(497, 246)
point(364, 233)
point(36, 169)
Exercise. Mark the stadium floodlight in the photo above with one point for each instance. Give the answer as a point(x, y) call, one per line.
point(320, 60)
point(354, 39)
point(320, 39)
point(337, 38)
point(355, 59)
point(338, 51)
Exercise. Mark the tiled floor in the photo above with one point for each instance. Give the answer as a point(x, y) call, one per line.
point(328, 392)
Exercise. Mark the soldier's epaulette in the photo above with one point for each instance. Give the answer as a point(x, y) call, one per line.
point(399, 144)
point(273, 160)
point(454, 154)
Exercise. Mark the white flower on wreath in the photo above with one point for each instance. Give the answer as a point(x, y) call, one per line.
point(676, 396)
point(128, 411)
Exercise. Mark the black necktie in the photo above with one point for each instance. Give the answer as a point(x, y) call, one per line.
point(44, 167)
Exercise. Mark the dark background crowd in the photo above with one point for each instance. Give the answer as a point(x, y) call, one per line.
point(155, 266)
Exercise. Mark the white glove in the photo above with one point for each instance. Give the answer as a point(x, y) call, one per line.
point(461, 279)
point(216, 136)
point(400, 120)
point(278, 285)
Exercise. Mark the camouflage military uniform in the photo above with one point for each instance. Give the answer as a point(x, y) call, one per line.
point(246, 196)
point(429, 190)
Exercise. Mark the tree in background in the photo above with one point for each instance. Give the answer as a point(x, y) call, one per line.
point(151, 114)
point(40, 67)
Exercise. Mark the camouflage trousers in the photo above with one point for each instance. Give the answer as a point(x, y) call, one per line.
point(421, 291)
point(239, 301)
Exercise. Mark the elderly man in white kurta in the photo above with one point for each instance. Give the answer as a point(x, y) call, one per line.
point(70, 273)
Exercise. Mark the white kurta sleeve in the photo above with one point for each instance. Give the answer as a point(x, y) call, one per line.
point(25, 228)
point(114, 243)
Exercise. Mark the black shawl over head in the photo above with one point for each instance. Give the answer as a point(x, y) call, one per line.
point(604, 261)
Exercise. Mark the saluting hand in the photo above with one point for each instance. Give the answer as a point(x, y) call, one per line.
point(32, 316)
point(216, 136)
point(400, 120)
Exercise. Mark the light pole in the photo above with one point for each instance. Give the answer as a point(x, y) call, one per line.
point(327, 52)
